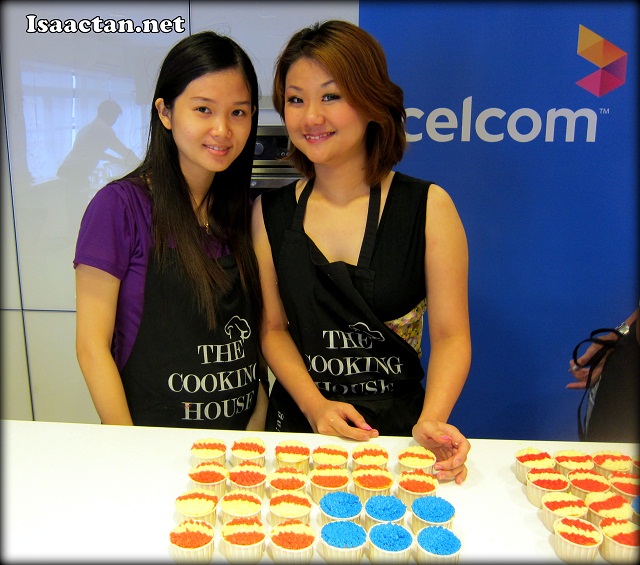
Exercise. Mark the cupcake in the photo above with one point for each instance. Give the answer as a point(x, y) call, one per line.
point(290, 505)
point(416, 483)
point(607, 505)
point(197, 504)
point(369, 480)
point(210, 476)
point(625, 484)
point(342, 542)
point(542, 481)
point(243, 540)
point(240, 503)
point(608, 461)
point(416, 457)
point(531, 458)
point(621, 542)
point(292, 541)
point(209, 449)
point(635, 505)
point(252, 448)
point(248, 475)
point(436, 544)
point(338, 506)
point(286, 479)
point(326, 478)
point(191, 541)
point(585, 481)
point(380, 508)
point(369, 454)
point(293, 453)
point(431, 511)
point(561, 505)
point(389, 543)
point(569, 460)
point(576, 540)
point(330, 454)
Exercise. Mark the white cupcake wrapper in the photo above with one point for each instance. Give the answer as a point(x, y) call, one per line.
point(242, 553)
point(615, 552)
point(202, 554)
point(292, 556)
point(348, 555)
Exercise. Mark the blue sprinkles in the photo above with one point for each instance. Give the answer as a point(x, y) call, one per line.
point(343, 534)
point(438, 540)
point(341, 504)
point(385, 508)
point(433, 509)
point(635, 504)
point(390, 537)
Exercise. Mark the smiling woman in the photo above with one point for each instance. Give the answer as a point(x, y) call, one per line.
point(158, 296)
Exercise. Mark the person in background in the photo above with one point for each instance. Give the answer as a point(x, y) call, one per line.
point(167, 289)
point(612, 377)
point(351, 256)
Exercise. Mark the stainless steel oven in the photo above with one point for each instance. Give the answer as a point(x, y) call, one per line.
point(269, 170)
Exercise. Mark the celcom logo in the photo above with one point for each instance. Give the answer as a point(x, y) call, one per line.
point(611, 60)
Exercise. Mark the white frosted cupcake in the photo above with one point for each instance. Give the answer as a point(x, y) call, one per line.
point(576, 540)
point(380, 509)
point(250, 448)
point(330, 454)
point(568, 460)
point(609, 461)
point(191, 541)
point(621, 542)
point(585, 481)
point(543, 481)
point(209, 449)
point(369, 480)
point(243, 540)
point(390, 543)
point(325, 478)
point(531, 458)
point(370, 454)
point(286, 479)
point(625, 484)
point(561, 505)
point(197, 504)
point(292, 541)
point(290, 505)
point(239, 503)
point(342, 542)
point(414, 484)
point(416, 457)
point(210, 476)
point(607, 505)
point(248, 475)
point(435, 544)
point(293, 453)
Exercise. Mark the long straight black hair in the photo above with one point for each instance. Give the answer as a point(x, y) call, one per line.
point(174, 223)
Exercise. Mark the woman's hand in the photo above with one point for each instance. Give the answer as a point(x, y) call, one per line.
point(332, 418)
point(448, 445)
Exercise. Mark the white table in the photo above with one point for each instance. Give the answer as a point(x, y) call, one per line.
point(85, 492)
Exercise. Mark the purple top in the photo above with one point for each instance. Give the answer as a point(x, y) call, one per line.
point(115, 236)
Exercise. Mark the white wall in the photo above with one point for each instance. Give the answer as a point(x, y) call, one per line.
point(52, 85)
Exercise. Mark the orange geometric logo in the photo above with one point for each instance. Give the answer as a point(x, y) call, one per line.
point(611, 60)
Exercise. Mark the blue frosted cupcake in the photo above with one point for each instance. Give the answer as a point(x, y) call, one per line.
point(431, 511)
point(380, 508)
point(337, 506)
point(389, 543)
point(437, 544)
point(342, 542)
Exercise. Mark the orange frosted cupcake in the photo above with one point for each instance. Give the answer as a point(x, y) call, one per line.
point(369, 480)
point(290, 505)
point(607, 505)
point(293, 453)
point(327, 478)
point(251, 448)
point(561, 505)
point(416, 483)
point(243, 540)
point(625, 484)
point(585, 481)
point(330, 454)
point(543, 481)
point(191, 541)
point(576, 540)
point(531, 458)
point(250, 476)
point(416, 457)
point(370, 454)
point(197, 504)
point(621, 541)
point(609, 461)
point(286, 479)
point(569, 460)
point(292, 541)
point(209, 449)
point(210, 476)
point(240, 503)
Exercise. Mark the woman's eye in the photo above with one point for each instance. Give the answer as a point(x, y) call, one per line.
point(294, 100)
point(329, 97)
point(203, 110)
point(238, 113)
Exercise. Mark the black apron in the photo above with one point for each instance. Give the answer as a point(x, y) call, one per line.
point(351, 355)
point(180, 373)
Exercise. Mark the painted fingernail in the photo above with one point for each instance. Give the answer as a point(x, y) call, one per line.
point(437, 467)
point(446, 438)
point(367, 427)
